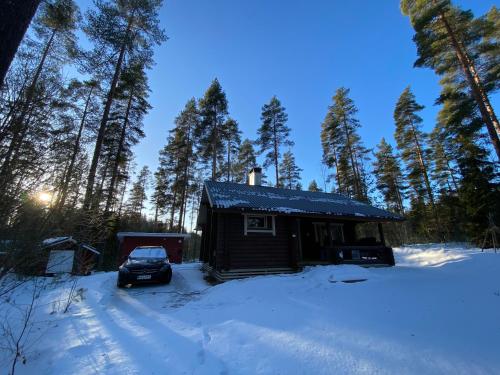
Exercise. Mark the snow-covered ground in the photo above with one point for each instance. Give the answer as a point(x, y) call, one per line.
point(436, 312)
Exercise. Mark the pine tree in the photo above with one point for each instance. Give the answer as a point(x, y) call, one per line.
point(232, 139)
point(186, 124)
point(411, 143)
point(56, 27)
point(444, 172)
point(313, 186)
point(138, 193)
point(332, 137)
point(273, 134)
point(177, 164)
point(245, 161)
point(131, 105)
point(452, 42)
point(169, 168)
point(213, 111)
point(27, 165)
point(86, 92)
point(458, 132)
point(289, 172)
point(389, 177)
point(489, 49)
point(15, 17)
point(161, 194)
point(128, 28)
point(342, 146)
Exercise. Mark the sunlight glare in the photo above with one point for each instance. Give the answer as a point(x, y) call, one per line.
point(44, 197)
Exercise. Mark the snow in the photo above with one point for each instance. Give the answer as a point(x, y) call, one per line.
point(287, 210)
point(53, 240)
point(436, 312)
point(228, 203)
point(262, 198)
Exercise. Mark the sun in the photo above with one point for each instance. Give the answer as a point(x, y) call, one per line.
point(44, 197)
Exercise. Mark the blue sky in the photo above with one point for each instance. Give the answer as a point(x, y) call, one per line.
point(301, 51)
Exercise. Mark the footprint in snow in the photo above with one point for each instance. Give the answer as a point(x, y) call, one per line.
point(206, 336)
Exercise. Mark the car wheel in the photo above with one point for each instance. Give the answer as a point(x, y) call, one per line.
point(119, 284)
point(169, 277)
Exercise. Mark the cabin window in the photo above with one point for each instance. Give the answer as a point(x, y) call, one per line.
point(260, 223)
point(337, 233)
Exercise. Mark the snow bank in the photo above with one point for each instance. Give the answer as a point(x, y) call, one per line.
point(437, 313)
point(434, 255)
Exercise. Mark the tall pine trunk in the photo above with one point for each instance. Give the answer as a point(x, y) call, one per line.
point(74, 154)
point(351, 156)
point(19, 127)
point(114, 174)
point(214, 147)
point(174, 201)
point(487, 113)
point(399, 198)
point(423, 167)
point(228, 160)
point(15, 17)
point(102, 126)
point(98, 194)
point(337, 176)
point(185, 212)
point(450, 173)
point(156, 216)
point(7, 119)
point(275, 149)
point(122, 196)
point(182, 212)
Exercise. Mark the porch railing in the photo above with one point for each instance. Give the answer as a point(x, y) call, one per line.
point(358, 254)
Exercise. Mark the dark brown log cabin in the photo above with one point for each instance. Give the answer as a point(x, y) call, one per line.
point(248, 229)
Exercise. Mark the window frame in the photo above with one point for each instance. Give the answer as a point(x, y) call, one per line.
point(338, 225)
point(266, 218)
point(319, 226)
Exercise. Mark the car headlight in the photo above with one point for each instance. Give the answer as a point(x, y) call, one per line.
point(165, 267)
point(123, 269)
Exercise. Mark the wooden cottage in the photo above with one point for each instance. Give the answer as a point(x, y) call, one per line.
point(248, 229)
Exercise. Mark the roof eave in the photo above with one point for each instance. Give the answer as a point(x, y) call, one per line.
point(364, 218)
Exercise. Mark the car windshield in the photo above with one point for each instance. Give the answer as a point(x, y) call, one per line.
point(148, 253)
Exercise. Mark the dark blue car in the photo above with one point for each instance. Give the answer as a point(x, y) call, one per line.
point(145, 264)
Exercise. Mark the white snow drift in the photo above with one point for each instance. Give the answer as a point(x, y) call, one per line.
point(436, 312)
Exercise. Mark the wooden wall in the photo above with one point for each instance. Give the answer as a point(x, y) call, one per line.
point(255, 250)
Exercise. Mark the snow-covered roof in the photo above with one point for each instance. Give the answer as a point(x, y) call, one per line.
point(91, 249)
point(227, 195)
point(57, 240)
point(54, 241)
point(121, 235)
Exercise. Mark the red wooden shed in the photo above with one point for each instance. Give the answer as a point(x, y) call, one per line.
point(172, 242)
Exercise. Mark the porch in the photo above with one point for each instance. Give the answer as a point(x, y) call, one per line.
point(342, 242)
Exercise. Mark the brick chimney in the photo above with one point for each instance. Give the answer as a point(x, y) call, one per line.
point(255, 176)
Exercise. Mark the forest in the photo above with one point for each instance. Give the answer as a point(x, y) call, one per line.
point(71, 114)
